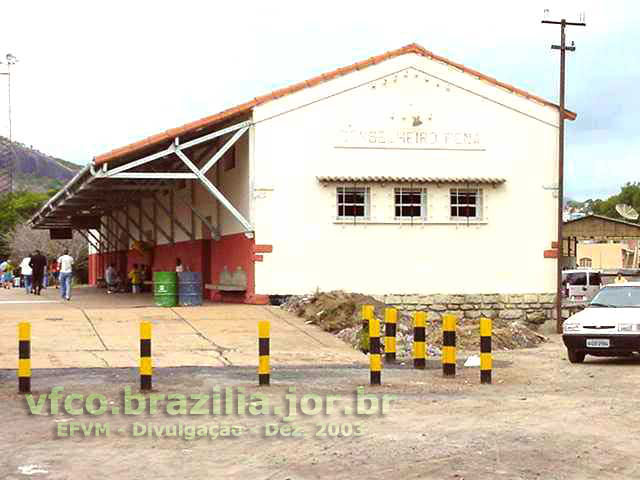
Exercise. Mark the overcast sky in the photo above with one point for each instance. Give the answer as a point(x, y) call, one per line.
point(93, 76)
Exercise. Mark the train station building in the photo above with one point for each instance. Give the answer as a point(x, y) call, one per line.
point(402, 174)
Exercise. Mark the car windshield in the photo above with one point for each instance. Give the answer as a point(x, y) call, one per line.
point(617, 297)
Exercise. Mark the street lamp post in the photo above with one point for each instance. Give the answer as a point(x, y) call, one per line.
point(9, 60)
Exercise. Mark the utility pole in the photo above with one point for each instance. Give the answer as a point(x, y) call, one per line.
point(560, 247)
point(9, 165)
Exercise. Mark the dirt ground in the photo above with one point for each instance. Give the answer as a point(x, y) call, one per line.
point(543, 418)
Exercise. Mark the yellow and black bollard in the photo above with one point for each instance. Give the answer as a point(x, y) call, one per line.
point(419, 337)
point(24, 357)
point(146, 367)
point(375, 364)
point(485, 350)
point(390, 322)
point(449, 345)
point(263, 353)
point(367, 314)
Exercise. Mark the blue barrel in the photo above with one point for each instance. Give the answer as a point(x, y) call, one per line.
point(189, 288)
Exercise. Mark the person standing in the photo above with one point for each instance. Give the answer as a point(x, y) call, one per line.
point(37, 264)
point(179, 267)
point(620, 278)
point(65, 262)
point(135, 277)
point(3, 268)
point(7, 276)
point(26, 273)
point(55, 271)
point(112, 279)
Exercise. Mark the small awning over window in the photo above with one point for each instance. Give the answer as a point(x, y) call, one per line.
point(390, 179)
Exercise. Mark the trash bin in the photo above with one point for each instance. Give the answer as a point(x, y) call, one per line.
point(189, 288)
point(165, 289)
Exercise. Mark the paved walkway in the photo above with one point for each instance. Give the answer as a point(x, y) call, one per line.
point(99, 330)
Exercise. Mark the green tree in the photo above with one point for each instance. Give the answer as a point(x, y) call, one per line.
point(17, 208)
point(629, 194)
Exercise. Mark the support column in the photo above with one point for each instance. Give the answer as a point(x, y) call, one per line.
point(155, 220)
point(174, 221)
point(172, 228)
point(128, 225)
point(135, 224)
point(94, 246)
point(131, 237)
point(192, 198)
point(141, 230)
point(156, 227)
point(109, 234)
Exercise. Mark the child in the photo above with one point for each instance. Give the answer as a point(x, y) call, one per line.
point(136, 279)
point(3, 269)
point(7, 276)
point(55, 270)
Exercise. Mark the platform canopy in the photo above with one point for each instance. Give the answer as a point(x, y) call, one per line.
point(598, 227)
point(147, 170)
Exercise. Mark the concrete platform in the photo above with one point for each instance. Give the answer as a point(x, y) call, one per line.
point(101, 331)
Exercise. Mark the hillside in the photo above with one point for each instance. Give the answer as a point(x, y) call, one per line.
point(36, 171)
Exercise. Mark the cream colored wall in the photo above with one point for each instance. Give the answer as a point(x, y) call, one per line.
point(235, 186)
point(296, 139)
point(602, 255)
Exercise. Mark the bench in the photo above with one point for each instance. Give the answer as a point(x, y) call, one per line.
point(230, 282)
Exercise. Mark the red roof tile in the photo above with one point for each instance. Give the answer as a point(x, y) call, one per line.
point(325, 77)
point(395, 179)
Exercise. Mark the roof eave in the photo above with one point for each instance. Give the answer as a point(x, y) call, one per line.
point(247, 107)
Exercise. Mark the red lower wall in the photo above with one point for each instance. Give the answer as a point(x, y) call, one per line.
point(207, 256)
point(235, 251)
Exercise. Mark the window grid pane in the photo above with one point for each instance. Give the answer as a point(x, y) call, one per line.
point(410, 202)
point(466, 203)
point(353, 202)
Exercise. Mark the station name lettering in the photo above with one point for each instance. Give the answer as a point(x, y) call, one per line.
point(411, 137)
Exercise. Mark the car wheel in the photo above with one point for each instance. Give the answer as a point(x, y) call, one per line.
point(576, 357)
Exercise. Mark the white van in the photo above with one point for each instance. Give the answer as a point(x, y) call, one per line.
point(581, 285)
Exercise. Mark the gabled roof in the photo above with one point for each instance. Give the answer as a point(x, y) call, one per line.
point(601, 217)
point(598, 226)
point(244, 108)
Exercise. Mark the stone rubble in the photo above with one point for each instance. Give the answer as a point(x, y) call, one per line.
point(514, 317)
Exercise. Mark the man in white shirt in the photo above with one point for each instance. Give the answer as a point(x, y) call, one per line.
point(26, 271)
point(66, 272)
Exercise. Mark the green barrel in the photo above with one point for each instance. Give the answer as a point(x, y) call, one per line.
point(165, 289)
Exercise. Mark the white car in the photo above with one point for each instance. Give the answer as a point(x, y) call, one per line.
point(608, 327)
point(581, 285)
